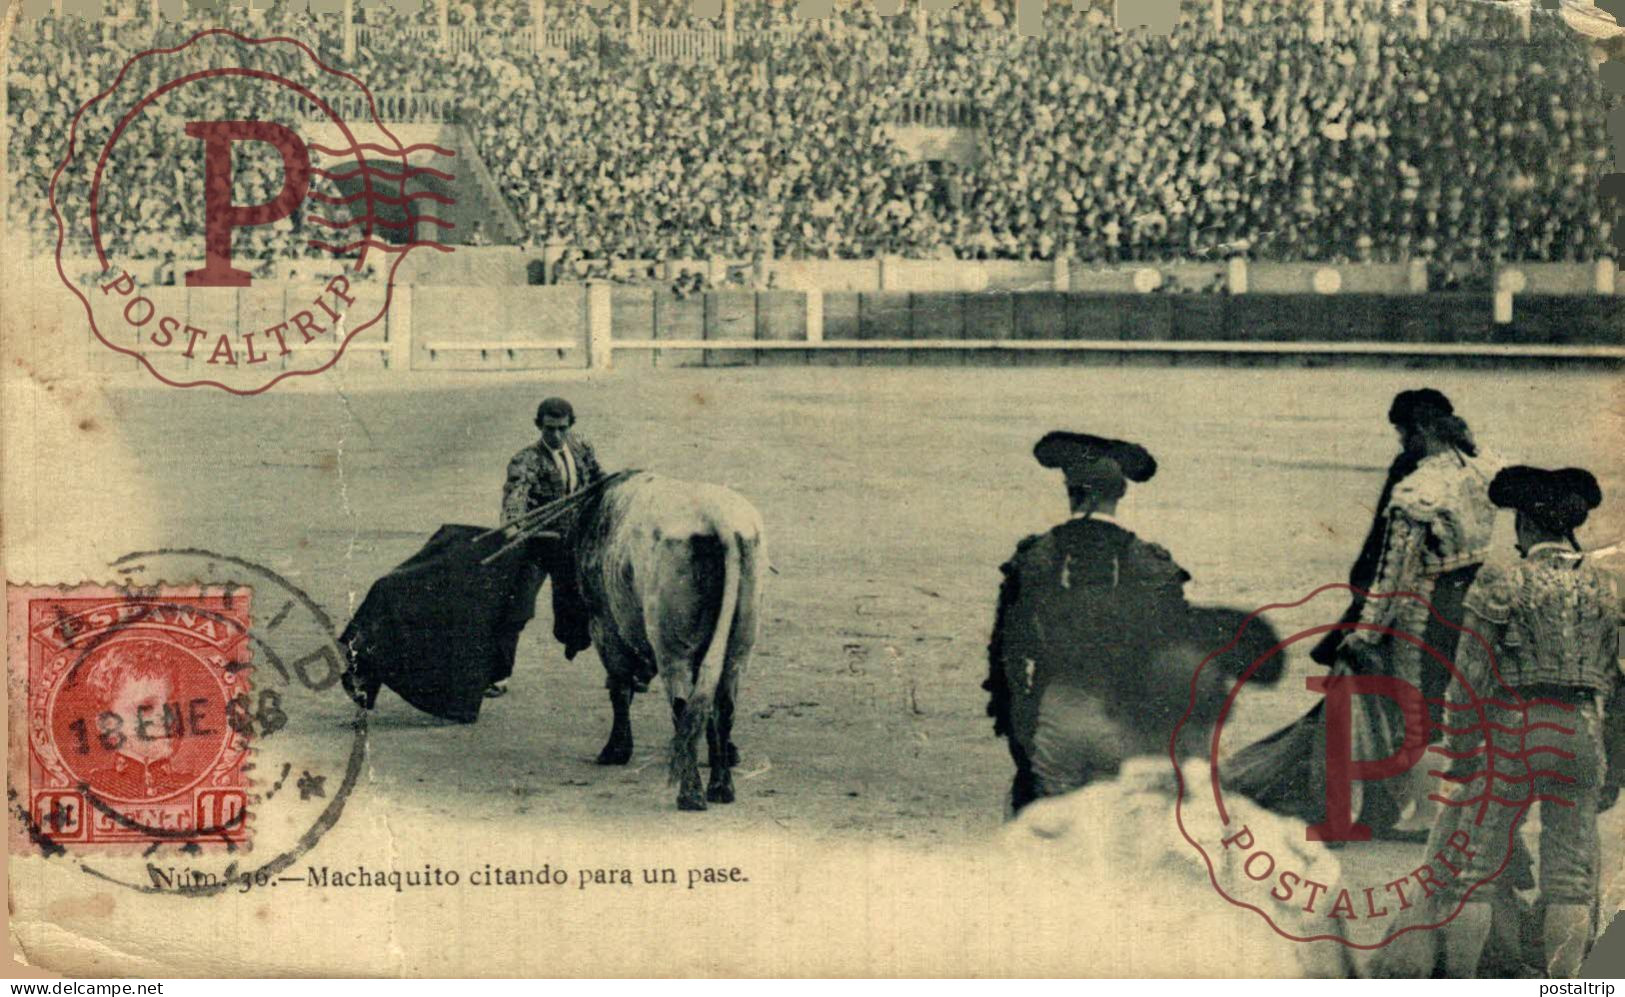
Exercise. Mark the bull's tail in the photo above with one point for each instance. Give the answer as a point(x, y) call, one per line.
point(697, 712)
point(716, 656)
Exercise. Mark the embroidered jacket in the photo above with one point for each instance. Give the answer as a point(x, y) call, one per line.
point(1439, 519)
point(534, 478)
point(1551, 617)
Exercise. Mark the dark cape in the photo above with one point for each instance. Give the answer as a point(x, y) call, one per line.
point(1080, 603)
point(1088, 604)
point(1364, 570)
point(438, 627)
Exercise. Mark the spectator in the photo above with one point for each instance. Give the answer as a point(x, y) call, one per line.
point(1369, 145)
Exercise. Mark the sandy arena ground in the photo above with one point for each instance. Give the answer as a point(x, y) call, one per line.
point(890, 496)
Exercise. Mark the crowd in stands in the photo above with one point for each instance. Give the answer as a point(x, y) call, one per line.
point(153, 175)
point(1371, 145)
point(1367, 144)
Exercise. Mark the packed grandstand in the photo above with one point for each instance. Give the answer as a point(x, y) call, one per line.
point(1367, 143)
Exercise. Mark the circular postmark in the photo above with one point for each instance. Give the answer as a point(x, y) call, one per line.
point(1373, 731)
point(184, 738)
point(232, 210)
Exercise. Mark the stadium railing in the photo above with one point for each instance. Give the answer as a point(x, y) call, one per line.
point(391, 105)
point(1511, 17)
point(682, 44)
point(449, 106)
point(438, 326)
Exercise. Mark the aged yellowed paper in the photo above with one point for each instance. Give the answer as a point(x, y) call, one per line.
point(538, 487)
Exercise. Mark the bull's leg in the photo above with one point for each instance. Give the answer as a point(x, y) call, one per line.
point(620, 666)
point(685, 763)
point(723, 754)
point(618, 749)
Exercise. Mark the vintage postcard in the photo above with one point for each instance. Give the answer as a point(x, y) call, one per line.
point(743, 488)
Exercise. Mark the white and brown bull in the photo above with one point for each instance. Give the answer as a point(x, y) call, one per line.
point(670, 572)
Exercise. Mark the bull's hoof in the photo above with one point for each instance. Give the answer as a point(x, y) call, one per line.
point(720, 794)
point(694, 802)
point(615, 754)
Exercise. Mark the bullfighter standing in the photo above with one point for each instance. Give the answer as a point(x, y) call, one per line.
point(561, 463)
point(1079, 608)
point(1432, 531)
point(1436, 534)
point(1547, 670)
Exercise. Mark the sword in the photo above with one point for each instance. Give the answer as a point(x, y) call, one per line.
point(531, 523)
point(516, 542)
point(537, 515)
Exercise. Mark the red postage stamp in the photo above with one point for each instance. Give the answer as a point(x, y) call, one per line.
point(124, 715)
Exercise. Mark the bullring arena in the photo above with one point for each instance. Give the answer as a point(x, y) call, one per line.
point(887, 548)
point(877, 402)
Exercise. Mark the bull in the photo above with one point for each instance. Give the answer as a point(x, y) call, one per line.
point(670, 575)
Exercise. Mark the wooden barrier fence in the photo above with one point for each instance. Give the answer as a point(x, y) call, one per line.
point(440, 327)
point(653, 328)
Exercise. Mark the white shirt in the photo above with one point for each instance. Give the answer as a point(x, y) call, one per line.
point(567, 467)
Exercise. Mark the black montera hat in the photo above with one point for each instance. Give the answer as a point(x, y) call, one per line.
point(1082, 457)
point(1410, 407)
point(1558, 500)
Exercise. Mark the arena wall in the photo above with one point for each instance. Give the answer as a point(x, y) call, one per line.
point(499, 266)
point(439, 327)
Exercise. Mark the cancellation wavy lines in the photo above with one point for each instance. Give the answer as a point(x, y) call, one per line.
point(382, 150)
point(379, 172)
point(370, 219)
point(339, 202)
point(1484, 725)
point(1494, 752)
point(1520, 707)
point(1490, 775)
